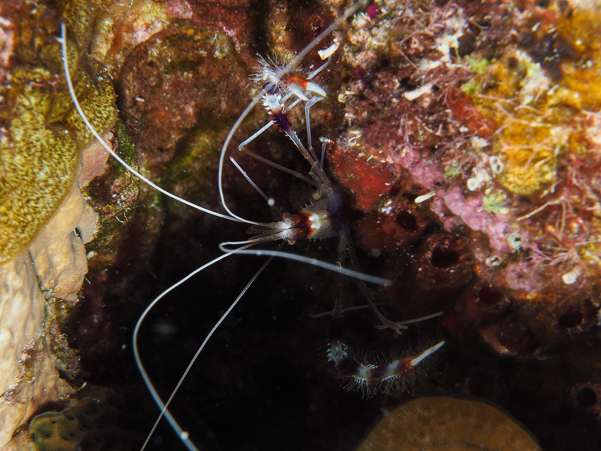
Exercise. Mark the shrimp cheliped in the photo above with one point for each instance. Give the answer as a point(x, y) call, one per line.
point(281, 89)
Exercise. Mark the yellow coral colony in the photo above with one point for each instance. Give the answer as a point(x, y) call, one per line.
point(540, 112)
point(41, 134)
point(447, 422)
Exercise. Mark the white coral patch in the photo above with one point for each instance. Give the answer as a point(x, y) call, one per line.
point(479, 177)
point(454, 27)
point(425, 89)
point(535, 82)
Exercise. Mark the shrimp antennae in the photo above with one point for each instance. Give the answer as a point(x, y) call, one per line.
point(183, 435)
point(350, 11)
point(63, 40)
point(254, 185)
point(311, 261)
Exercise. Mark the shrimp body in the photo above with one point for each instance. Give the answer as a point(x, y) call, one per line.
point(315, 221)
point(274, 80)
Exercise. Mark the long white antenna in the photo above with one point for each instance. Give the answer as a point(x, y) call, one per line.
point(301, 258)
point(63, 41)
point(183, 435)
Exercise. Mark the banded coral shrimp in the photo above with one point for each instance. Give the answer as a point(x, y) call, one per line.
point(357, 372)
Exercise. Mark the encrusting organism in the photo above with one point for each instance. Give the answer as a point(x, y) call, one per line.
point(95, 419)
point(41, 137)
point(496, 113)
point(448, 422)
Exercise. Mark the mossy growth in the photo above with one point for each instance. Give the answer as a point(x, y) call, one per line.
point(529, 154)
point(193, 172)
point(540, 101)
point(114, 197)
point(41, 133)
point(495, 202)
point(65, 357)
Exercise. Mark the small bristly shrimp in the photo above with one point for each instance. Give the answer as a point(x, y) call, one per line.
point(318, 220)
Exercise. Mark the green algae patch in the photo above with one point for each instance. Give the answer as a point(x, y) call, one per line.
point(193, 173)
point(41, 134)
point(114, 197)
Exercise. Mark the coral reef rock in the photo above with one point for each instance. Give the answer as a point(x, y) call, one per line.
point(41, 139)
point(490, 111)
point(29, 377)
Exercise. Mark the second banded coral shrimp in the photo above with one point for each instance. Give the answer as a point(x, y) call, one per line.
point(223, 383)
